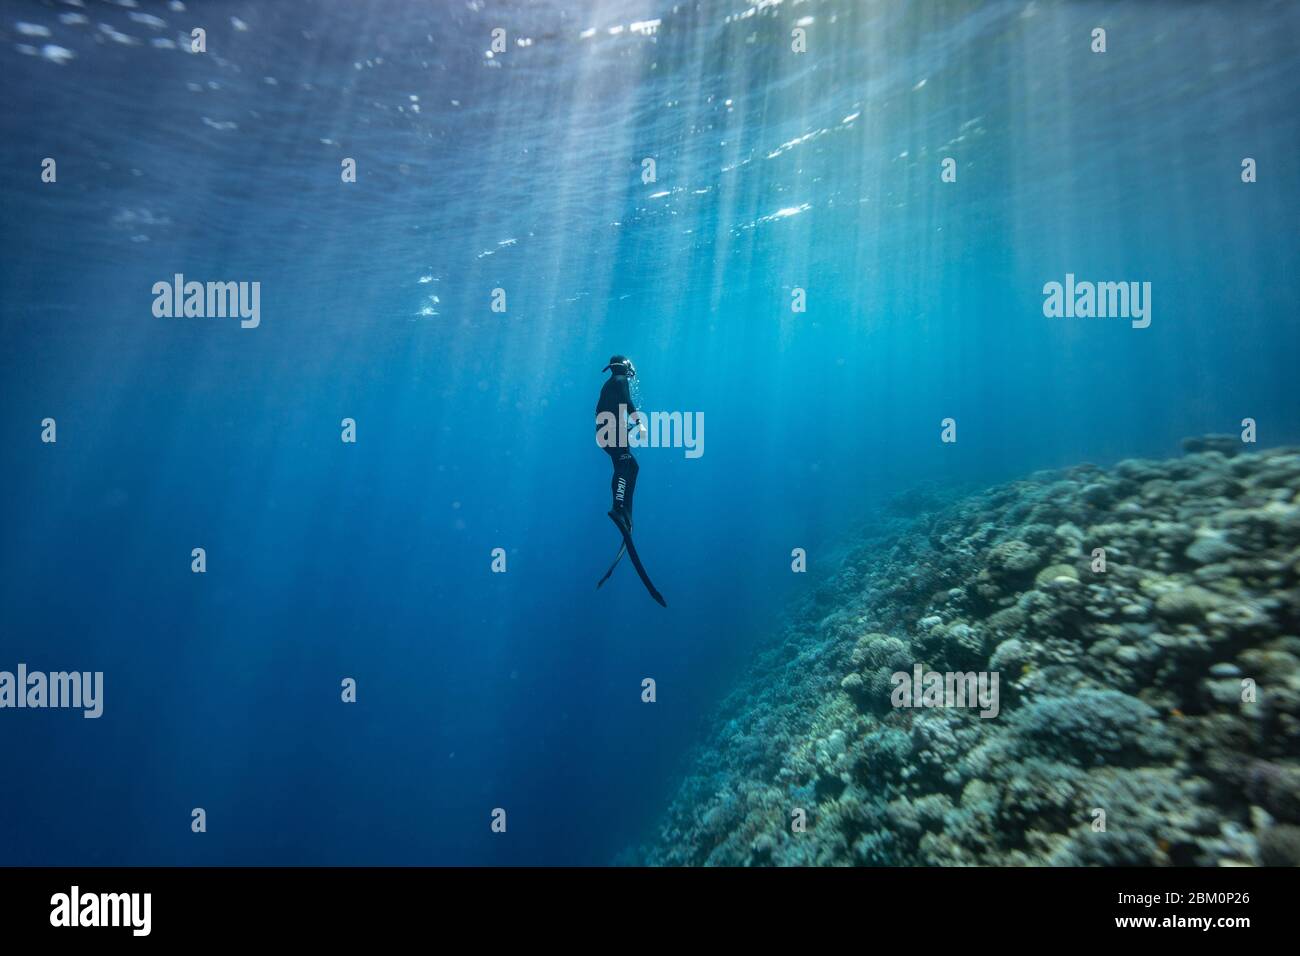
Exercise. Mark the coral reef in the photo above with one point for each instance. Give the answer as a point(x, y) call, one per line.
point(1144, 626)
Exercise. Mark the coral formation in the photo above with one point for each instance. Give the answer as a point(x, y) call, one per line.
point(1144, 624)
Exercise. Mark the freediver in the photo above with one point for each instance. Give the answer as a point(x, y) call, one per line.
point(615, 414)
point(615, 411)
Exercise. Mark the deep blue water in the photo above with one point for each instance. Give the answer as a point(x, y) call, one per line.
point(523, 171)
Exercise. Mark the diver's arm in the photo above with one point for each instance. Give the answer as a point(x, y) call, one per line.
point(633, 415)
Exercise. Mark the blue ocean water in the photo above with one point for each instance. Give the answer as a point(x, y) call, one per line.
point(524, 171)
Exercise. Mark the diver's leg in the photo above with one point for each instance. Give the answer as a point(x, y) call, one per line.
point(613, 481)
point(622, 485)
point(615, 504)
point(630, 470)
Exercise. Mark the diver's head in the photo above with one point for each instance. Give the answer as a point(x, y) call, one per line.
point(620, 365)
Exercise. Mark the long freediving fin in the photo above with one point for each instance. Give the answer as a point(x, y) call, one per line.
point(636, 563)
point(622, 549)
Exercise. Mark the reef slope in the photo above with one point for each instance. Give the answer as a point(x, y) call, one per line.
point(1163, 692)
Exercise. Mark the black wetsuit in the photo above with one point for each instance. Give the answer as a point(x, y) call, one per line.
point(614, 393)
